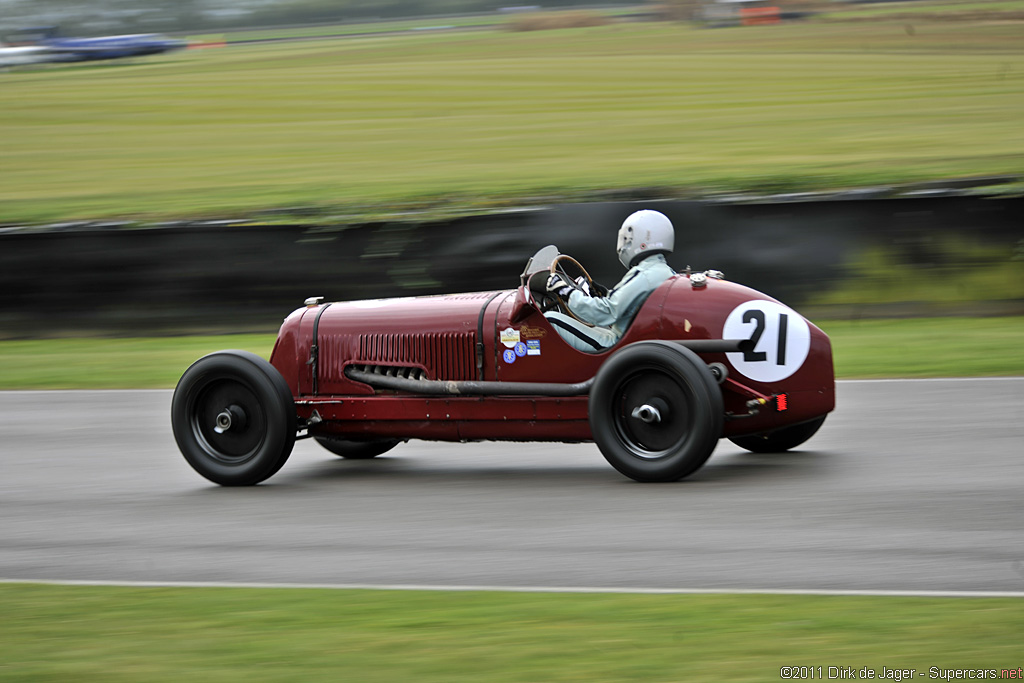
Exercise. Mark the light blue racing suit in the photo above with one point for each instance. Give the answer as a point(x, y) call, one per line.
point(613, 313)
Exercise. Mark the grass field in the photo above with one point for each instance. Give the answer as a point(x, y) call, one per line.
point(499, 21)
point(491, 117)
point(173, 634)
point(347, 29)
point(935, 347)
point(994, 10)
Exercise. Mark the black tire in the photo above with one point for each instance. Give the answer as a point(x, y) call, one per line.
point(680, 386)
point(356, 450)
point(248, 400)
point(781, 439)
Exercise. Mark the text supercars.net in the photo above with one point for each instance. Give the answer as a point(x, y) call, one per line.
point(867, 673)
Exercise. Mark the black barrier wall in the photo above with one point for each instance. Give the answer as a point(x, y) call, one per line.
point(223, 278)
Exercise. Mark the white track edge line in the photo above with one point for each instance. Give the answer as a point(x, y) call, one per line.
point(529, 589)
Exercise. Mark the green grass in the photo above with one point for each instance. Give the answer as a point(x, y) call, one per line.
point(492, 19)
point(326, 31)
point(942, 9)
point(928, 347)
point(351, 28)
point(369, 27)
point(151, 363)
point(172, 634)
point(949, 271)
point(493, 117)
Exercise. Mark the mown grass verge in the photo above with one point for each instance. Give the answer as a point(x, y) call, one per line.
point(927, 347)
point(57, 633)
point(490, 118)
point(139, 363)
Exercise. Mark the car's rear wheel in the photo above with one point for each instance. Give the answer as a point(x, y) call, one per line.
point(779, 440)
point(356, 450)
point(233, 417)
point(655, 411)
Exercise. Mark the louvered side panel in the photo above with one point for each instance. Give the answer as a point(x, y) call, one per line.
point(335, 350)
point(446, 355)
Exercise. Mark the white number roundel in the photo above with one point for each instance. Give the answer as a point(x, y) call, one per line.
point(780, 336)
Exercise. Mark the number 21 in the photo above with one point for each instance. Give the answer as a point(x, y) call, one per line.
point(757, 317)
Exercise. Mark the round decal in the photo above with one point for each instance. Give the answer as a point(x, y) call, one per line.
point(520, 349)
point(509, 337)
point(780, 336)
point(509, 356)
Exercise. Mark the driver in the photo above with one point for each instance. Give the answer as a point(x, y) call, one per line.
point(644, 238)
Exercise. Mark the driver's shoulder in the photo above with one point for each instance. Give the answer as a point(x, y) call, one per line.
point(656, 268)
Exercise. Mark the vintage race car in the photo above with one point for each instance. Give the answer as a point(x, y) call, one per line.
point(703, 359)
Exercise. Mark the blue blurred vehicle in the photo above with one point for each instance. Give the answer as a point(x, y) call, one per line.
point(51, 48)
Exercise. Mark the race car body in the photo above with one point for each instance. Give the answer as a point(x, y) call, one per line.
point(702, 359)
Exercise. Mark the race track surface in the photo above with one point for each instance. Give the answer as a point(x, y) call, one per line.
point(910, 485)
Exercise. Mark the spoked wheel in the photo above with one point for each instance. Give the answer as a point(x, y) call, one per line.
point(356, 450)
point(655, 411)
point(234, 418)
point(781, 439)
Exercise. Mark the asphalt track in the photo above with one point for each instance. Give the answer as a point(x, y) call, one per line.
point(910, 486)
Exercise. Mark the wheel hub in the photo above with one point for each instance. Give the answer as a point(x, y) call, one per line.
point(232, 417)
point(654, 414)
point(647, 413)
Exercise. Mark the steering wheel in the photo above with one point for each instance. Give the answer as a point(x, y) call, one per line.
point(558, 266)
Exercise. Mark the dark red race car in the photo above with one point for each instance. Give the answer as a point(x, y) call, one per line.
point(702, 359)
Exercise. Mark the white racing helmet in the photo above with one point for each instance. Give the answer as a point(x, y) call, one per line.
point(644, 233)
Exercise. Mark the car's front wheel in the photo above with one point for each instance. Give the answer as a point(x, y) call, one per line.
point(655, 411)
point(233, 417)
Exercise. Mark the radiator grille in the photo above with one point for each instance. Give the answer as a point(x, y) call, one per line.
point(446, 355)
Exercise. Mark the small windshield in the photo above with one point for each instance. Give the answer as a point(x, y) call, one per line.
point(539, 262)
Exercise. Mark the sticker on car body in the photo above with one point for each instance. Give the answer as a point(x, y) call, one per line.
point(509, 337)
point(781, 340)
